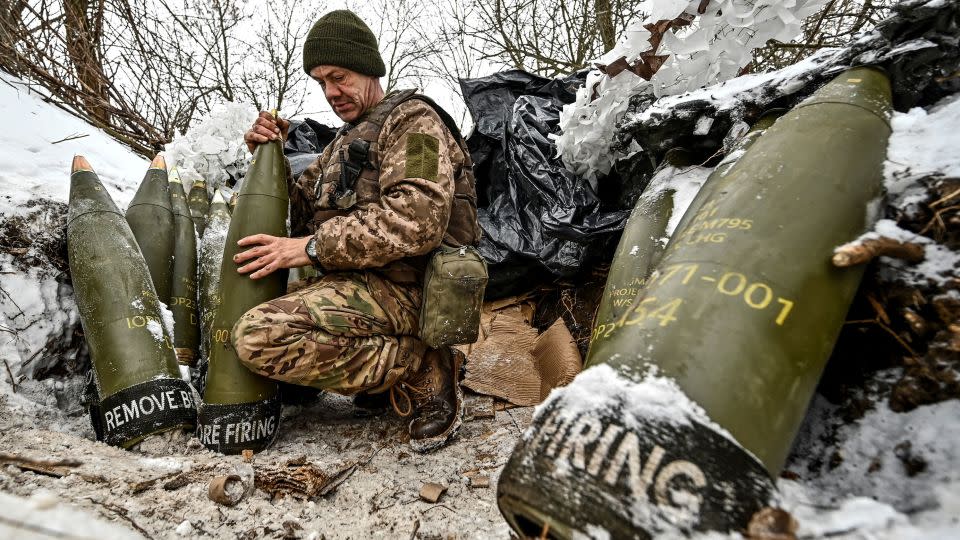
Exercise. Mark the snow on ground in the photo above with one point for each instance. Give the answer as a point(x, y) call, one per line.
point(870, 490)
point(923, 142)
point(35, 164)
point(378, 500)
point(54, 518)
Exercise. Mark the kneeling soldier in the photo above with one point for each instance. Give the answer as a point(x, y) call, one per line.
point(394, 185)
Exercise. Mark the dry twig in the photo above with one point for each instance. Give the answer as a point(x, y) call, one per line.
point(13, 381)
point(55, 468)
point(871, 248)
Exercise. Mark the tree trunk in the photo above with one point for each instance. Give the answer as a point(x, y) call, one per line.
point(11, 33)
point(605, 24)
point(83, 39)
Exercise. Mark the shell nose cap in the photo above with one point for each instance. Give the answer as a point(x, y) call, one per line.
point(158, 163)
point(80, 163)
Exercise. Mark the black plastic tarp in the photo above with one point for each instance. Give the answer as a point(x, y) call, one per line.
point(305, 142)
point(535, 214)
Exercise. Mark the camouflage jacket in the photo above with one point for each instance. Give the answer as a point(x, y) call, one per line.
point(400, 216)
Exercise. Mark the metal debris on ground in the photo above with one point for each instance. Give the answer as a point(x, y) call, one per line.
point(227, 490)
point(772, 524)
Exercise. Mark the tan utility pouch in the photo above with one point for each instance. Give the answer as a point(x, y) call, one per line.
point(452, 296)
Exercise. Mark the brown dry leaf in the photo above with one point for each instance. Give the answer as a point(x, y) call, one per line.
point(300, 479)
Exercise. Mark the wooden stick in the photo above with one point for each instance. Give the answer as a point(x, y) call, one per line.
point(71, 137)
point(39, 466)
point(867, 250)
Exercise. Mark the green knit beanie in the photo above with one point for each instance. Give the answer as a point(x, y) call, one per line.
point(340, 38)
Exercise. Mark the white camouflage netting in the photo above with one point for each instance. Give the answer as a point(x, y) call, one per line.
point(714, 48)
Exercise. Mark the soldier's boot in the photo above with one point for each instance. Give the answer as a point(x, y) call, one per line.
point(434, 399)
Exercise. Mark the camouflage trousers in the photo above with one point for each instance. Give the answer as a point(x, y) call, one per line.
point(348, 332)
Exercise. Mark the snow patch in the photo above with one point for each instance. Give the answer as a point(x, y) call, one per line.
point(36, 158)
point(685, 183)
point(900, 506)
point(45, 516)
point(167, 317)
point(923, 143)
point(601, 388)
point(185, 528)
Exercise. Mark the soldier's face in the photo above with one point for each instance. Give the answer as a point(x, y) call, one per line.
point(349, 93)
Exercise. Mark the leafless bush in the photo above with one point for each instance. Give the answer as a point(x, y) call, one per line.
point(836, 25)
point(548, 37)
point(144, 70)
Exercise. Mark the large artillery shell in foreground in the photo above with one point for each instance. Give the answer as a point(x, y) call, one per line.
point(199, 204)
point(151, 220)
point(183, 295)
point(644, 238)
point(211, 258)
point(133, 360)
point(739, 316)
point(718, 178)
point(241, 410)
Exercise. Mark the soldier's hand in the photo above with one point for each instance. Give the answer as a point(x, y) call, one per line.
point(270, 253)
point(265, 129)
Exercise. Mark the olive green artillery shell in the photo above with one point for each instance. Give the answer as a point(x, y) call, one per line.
point(626, 473)
point(640, 247)
point(641, 244)
point(742, 312)
point(261, 208)
point(151, 220)
point(718, 177)
point(211, 258)
point(120, 313)
point(199, 204)
point(746, 296)
point(183, 298)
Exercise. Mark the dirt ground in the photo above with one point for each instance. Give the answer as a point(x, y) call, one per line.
point(155, 490)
